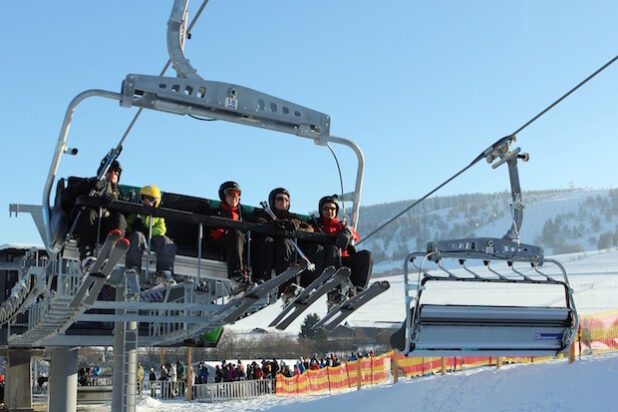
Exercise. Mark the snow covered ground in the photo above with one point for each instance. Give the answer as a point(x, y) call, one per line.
point(556, 385)
point(550, 386)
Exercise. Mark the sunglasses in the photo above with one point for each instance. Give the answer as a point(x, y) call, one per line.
point(148, 198)
point(328, 208)
point(282, 199)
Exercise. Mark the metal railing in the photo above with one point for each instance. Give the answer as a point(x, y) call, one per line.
point(210, 392)
point(218, 392)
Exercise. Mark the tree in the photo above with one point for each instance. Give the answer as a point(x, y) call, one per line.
point(605, 241)
point(308, 331)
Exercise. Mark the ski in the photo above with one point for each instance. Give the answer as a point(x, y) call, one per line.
point(324, 276)
point(301, 305)
point(240, 304)
point(92, 273)
point(94, 281)
point(110, 241)
point(345, 309)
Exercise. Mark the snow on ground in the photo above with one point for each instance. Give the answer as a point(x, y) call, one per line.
point(548, 386)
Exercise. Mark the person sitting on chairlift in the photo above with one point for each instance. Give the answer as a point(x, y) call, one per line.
point(145, 230)
point(278, 252)
point(107, 191)
point(360, 262)
point(231, 242)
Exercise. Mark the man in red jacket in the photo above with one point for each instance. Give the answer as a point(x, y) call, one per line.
point(231, 242)
point(360, 262)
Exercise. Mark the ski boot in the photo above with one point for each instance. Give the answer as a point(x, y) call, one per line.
point(290, 293)
point(240, 283)
point(334, 298)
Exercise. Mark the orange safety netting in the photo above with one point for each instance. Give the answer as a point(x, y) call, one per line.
point(373, 370)
point(598, 333)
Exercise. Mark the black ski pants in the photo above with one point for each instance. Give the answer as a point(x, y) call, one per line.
point(270, 253)
point(87, 224)
point(360, 264)
point(232, 247)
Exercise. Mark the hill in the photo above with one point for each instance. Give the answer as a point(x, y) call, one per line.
point(560, 221)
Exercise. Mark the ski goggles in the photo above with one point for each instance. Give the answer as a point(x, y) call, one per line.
point(232, 192)
point(149, 199)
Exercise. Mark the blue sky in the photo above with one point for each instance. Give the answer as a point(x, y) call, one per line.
point(422, 87)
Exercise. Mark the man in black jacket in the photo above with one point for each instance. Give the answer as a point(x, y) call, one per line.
point(107, 191)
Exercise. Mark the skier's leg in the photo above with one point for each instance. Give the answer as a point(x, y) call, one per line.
point(233, 244)
point(262, 257)
point(86, 231)
point(115, 220)
point(361, 265)
point(284, 257)
point(166, 252)
point(315, 254)
point(133, 259)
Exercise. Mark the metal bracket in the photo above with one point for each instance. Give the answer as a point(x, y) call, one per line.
point(224, 101)
point(485, 248)
point(501, 151)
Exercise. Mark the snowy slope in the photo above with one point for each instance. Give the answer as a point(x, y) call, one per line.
point(588, 384)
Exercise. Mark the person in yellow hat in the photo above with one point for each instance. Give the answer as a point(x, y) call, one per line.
point(142, 228)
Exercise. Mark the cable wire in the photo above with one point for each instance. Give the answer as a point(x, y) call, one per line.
point(167, 65)
point(492, 147)
point(340, 180)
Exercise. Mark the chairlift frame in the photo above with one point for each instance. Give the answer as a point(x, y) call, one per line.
point(486, 330)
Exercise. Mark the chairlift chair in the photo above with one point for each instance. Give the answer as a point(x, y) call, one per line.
point(439, 329)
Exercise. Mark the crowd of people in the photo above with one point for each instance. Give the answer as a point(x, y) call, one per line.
point(236, 371)
point(87, 376)
point(270, 255)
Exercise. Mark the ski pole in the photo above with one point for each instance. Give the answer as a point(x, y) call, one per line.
point(310, 266)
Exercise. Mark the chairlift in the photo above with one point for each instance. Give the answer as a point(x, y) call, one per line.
point(203, 301)
point(441, 329)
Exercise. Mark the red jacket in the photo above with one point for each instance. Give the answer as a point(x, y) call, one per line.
point(333, 227)
point(228, 212)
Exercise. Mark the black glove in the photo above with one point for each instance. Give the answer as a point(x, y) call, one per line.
point(139, 226)
point(107, 198)
point(344, 238)
point(100, 184)
point(287, 226)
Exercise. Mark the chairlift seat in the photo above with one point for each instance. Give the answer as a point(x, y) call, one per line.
point(455, 330)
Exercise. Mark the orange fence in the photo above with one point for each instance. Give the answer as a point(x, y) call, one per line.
point(598, 333)
point(373, 370)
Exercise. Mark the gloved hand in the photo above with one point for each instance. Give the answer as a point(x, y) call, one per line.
point(139, 226)
point(107, 198)
point(344, 238)
point(100, 184)
point(286, 226)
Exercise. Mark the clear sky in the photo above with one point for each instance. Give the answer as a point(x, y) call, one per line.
point(422, 87)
